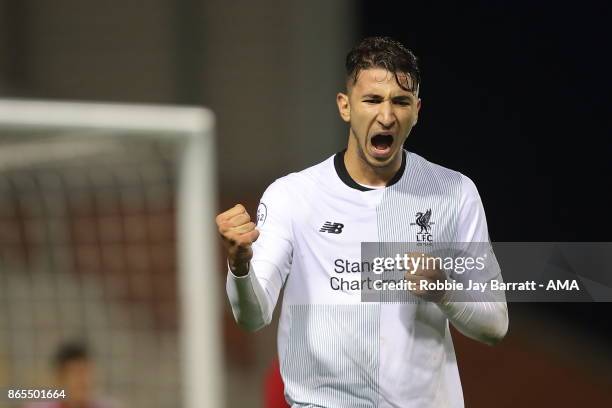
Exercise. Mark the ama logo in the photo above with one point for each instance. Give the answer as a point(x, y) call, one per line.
point(423, 221)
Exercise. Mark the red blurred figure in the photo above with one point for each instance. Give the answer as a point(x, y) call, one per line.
point(274, 389)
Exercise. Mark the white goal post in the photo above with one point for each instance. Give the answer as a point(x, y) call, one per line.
point(80, 131)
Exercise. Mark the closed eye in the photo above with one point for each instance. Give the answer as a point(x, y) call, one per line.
point(402, 101)
point(398, 101)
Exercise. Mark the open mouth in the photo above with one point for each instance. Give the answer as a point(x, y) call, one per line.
point(382, 142)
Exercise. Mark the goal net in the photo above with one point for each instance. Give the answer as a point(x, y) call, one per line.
point(107, 237)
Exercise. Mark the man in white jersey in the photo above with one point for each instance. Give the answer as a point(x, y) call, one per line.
point(336, 350)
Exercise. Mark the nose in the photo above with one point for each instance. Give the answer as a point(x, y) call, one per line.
point(386, 116)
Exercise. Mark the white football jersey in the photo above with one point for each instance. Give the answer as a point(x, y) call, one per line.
point(336, 351)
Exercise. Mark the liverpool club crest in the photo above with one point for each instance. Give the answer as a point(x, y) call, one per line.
point(423, 221)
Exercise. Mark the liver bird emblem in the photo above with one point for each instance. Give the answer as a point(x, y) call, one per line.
point(422, 220)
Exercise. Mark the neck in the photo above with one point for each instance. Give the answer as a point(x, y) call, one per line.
point(364, 173)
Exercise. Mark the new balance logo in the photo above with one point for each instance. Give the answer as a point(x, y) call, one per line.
point(332, 227)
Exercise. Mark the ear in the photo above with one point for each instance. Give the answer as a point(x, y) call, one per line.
point(418, 109)
point(344, 106)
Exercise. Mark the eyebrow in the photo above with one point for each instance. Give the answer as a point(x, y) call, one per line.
point(374, 96)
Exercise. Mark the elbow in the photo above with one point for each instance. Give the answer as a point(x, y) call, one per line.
point(253, 323)
point(497, 331)
point(493, 340)
point(251, 326)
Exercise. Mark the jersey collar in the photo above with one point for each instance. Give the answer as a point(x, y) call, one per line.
point(346, 178)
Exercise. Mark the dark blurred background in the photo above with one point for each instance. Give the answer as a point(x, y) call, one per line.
point(515, 95)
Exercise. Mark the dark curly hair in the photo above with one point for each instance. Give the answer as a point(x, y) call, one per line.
point(386, 53)
point(70, 351)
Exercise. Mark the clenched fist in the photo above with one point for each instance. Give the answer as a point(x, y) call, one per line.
point(238, 233)
point(428, 273)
